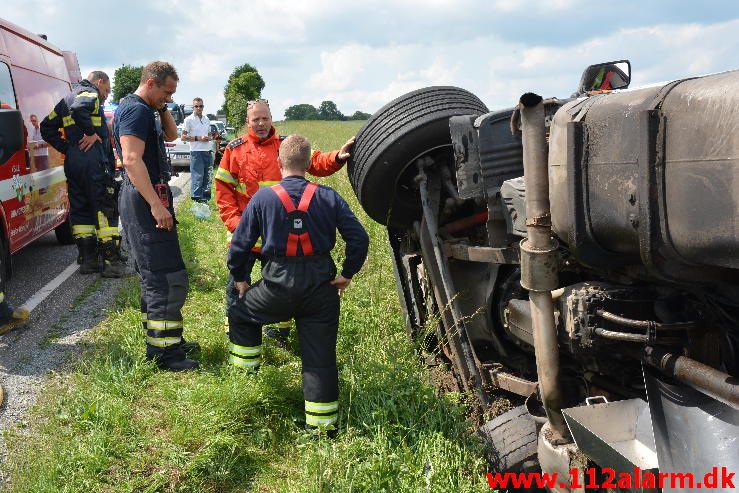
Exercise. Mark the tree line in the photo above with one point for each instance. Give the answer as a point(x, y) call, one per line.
point(243, 85)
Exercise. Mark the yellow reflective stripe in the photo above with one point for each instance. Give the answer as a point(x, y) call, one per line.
point(2, 297)
point(52, 115)
point(321, 407)
point(226, 177)
point(163, 341)
point(67, 121)
point(316, 421)
point(258, 243)
point(143, 317)
point(241, 188)
point(284, 325)
point(82, 230)
point(107, 233)
point(102, 220)
point(164, 324)
point(268, 183)
point(235, 360)
point(245, 350)
point(97, 121)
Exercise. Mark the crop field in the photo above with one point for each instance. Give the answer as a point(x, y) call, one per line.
point(114, 423)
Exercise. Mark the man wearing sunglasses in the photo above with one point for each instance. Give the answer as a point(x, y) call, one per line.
point(196, 131)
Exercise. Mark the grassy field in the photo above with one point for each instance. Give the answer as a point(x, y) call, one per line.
point(116, 424)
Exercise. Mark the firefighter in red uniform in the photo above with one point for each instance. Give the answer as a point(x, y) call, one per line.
point(297, 221)
point(250, 163)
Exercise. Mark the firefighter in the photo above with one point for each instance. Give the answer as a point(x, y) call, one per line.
point(9, 316)
point(250, 163)
point(298, 276)
point(141, 124)
point(85, 143)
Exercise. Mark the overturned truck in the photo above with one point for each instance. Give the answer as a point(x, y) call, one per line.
point(581, 254)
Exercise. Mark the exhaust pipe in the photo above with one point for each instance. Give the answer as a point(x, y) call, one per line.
point(539, 261)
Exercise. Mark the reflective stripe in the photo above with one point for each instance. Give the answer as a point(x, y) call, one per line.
point(163, 341)
point(164, 324)
point(52, 115)
point(268, 183)
point(321, 407)
point(245, 350)
point(226, 177)
point(284, 325)
point(88, 94)
point(83, 230)
point(241, 188)
point(316, 421)
point(235, 360)
point(97, 121)
point(2, 297)
point(106, 234)
point(102, 220)
point(67, 121)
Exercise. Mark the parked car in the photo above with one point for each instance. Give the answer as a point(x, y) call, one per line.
point(34, 75)
point(178, 151)
point(177, 113)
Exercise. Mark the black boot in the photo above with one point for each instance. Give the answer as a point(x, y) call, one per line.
point(112, 264)
point(89, 247)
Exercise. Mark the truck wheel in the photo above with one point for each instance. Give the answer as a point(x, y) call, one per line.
point(409, 127)
point(511, 440)
point(63, 232)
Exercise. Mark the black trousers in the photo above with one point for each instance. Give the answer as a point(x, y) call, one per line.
point(91, 201)
point(164, 282)
point(293, 287)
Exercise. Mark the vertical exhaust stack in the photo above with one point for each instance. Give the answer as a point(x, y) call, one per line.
point(538, 259)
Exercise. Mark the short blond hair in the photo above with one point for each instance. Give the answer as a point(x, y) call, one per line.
point(295, 153)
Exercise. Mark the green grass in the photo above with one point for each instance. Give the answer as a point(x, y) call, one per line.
point(116, 424)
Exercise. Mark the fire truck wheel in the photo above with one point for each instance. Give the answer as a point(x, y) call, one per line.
point(63, 233)
point(412, 126)
point(511, 441)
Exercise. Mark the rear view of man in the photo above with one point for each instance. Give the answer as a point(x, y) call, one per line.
point(297, 221)
point(250, 163)
point(196, 131)
point(85, 142)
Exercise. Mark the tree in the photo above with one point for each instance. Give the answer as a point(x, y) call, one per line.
point(328, 111)
point(360, 115)
point(301, 112)
point(244, 84)
point(126, 80)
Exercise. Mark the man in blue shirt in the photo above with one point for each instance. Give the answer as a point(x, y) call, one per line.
point(297, 221)
point(140, 127)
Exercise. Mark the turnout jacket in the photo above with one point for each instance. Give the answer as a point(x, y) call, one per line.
point(78, 113)
point(249, 164)
point(266, 217)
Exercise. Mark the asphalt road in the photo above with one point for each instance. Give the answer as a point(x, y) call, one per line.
point(51, 337)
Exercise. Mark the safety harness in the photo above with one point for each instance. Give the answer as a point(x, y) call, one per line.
point(297, 218)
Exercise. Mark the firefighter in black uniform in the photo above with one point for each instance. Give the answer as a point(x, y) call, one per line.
point(140, 126)
point(76, 127)
point(298, 276)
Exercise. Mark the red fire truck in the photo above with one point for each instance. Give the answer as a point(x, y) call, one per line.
point(34, 75)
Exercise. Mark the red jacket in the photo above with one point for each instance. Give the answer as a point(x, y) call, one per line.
point(248, 164)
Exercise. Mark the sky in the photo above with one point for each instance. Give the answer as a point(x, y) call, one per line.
point(361, 55)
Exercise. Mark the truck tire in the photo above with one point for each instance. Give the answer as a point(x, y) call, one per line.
point(409, 127)
point(510, 440)
point(63, 232)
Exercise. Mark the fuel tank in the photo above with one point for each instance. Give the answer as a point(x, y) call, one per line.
point(650, 176)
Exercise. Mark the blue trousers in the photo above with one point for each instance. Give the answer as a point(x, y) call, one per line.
point(200, 165)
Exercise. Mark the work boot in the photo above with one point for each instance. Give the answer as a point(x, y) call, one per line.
point(185, 364)
point(277, 334)
point(10, 317)
point(79, 252)
point(112, 264)
point(89, 247)
point(317, 432)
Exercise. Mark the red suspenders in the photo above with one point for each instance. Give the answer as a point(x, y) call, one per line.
point(295, 237)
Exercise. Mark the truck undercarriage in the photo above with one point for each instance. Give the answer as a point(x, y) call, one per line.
point(581, 254)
